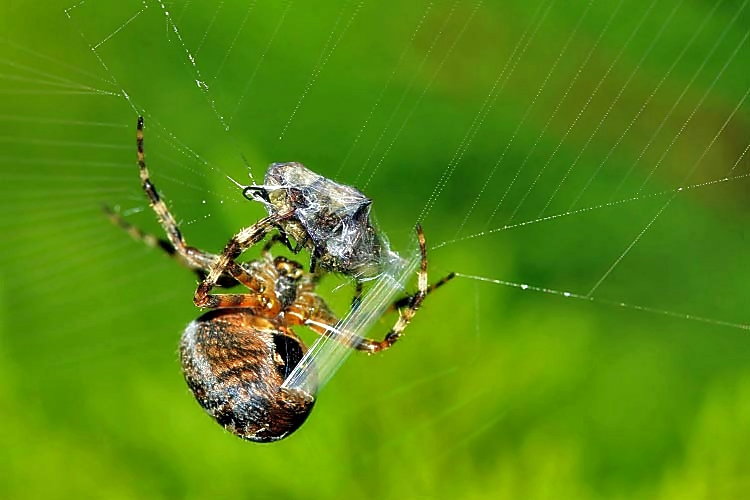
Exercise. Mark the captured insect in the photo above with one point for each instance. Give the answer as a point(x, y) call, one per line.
point(331, 220)
point(239, 357)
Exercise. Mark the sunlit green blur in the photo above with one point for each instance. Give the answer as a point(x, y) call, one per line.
point(467, 116)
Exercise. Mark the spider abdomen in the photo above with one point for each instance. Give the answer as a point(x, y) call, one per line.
point(234, 363)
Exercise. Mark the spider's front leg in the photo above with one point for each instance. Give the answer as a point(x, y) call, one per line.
point(240, 242)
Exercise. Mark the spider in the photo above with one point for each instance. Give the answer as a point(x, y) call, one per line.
point(236, 356)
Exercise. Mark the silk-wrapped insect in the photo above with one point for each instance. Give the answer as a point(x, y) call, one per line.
point(331, 220)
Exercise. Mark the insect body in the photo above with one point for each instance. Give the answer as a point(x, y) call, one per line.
point(332, 220)
point(236, 356)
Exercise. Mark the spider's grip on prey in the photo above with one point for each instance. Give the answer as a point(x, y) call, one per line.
point(236, 356)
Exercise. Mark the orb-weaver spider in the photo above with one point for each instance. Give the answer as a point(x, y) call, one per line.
point(236, 356)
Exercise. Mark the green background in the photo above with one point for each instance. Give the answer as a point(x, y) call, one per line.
point(495, 392)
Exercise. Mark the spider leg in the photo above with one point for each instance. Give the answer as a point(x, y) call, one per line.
point(139, 235)
point(314, 255)
point(276, 239)
point(404, 301)
point(240, 242)
point(406, 313)
point(262, 298)
point(200, 270)
point(175, 244)
point(357, 299)
point(311, 311)
point(212, 268)
point(408, 306)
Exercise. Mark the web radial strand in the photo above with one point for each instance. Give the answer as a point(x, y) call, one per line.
point(327, 354)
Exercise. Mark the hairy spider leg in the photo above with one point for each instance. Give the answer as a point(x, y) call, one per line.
point(406, 314)
point(144, 237)
point(311, 311)
point(225, 281)
point(261, 300)
point(261, 282)
point(244, 239)
point(276, 239)
point(190, 256)
point(359, 287)
point(404, 301)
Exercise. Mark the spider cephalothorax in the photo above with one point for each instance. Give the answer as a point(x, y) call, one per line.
point(236, 356)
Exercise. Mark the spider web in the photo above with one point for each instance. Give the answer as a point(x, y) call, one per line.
point(550, 176)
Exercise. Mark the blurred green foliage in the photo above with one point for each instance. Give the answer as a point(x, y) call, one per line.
point(495, 392)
